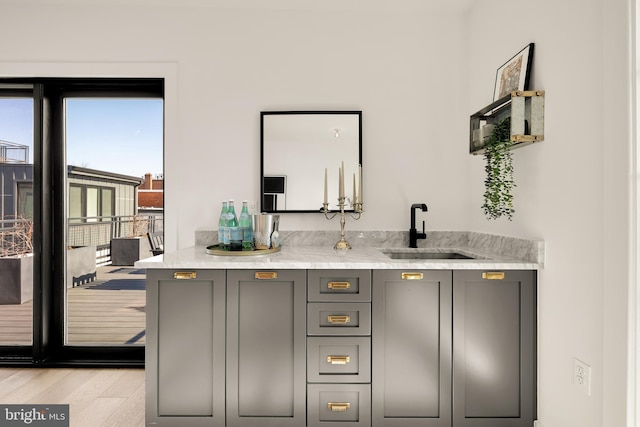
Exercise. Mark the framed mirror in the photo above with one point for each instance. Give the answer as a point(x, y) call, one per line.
point(295, 149)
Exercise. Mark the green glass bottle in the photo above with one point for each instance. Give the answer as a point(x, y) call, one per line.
point(246, 227)
point(222, 225)
point(235, 237)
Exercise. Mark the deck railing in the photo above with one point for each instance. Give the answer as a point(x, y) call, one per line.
point(16, 234)
point(98, 231)
point(10, 152)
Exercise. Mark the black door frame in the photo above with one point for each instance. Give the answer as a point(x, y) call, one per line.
point(49, 181)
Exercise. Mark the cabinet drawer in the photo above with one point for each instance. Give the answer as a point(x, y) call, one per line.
point(339, 359)
point(339, 318)
point(338, 405)
point(339, 285)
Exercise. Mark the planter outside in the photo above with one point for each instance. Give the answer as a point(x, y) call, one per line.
point(16, 279)
point(81, 265)
point(128, 250)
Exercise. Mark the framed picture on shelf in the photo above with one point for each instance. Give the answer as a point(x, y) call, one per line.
point(514, 74)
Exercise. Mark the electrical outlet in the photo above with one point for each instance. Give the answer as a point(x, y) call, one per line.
point(582, 376)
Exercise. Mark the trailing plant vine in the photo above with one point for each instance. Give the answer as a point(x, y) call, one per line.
point(498, 197)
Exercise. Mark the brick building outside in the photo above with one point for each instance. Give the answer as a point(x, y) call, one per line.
point(151, 194)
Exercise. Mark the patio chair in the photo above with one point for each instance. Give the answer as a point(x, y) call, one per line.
point(156, 241)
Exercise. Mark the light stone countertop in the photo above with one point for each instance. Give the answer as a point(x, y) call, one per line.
point(489, 252)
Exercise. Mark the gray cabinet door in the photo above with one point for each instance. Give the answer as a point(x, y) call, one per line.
point(266, 358)
point(411, 348)
point(185, 382)
point(494, 348)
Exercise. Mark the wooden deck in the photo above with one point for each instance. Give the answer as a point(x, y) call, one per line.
point(107, 311)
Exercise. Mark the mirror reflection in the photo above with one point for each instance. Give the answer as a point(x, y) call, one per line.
point(296, 147)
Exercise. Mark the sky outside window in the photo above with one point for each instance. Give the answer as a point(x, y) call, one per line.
point(116, 135)
point(16, 122)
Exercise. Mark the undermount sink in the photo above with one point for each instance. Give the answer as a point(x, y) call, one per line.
point(422, 254)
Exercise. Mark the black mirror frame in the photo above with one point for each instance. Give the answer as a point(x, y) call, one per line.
point(301, 112)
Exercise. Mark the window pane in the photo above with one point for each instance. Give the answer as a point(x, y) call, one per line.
point(16, 220)
point(111, 145)
point(25, 200)
point(92, 204)
point(75, 204)
point(107, 202)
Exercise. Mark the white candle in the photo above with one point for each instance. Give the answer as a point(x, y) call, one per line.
point(341, 181)
point(354, 199)
point(325, 186)
point(359, 183)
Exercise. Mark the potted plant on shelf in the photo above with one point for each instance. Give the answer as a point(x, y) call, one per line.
point(499, 183)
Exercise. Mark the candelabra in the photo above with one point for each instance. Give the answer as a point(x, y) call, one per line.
point(356, 202)
point(342, 244)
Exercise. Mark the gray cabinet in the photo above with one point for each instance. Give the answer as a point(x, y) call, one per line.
point(266, 333)
point(411, 348)
point(494, 330)
point(454, 348)
point(185, 383)
point(382, 348)
point(339, 348)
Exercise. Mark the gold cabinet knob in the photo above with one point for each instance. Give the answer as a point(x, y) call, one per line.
point(493, 275)
point(338, 406)
point(184, 275)
point(339, 285)
point(338, 318)
point(266, 275)
point(338, 360)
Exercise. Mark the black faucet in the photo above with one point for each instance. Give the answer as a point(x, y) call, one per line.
point(413, 233)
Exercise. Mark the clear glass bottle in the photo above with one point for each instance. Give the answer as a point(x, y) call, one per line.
point(222, 225)
point(246, 227)
point(233, 229)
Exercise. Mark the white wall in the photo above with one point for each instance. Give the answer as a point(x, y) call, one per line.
point(416, 74)
point(404, 69)
point(572, 190)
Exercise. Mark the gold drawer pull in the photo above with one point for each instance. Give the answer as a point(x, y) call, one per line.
point(493, 275)
point(338, 406)
point(338, 360)
point(266, 275)
point(184, 275)
point(338, 318)
point(412, 276)
point(338, 285)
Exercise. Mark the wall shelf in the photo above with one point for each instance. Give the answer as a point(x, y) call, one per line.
point(526, 109)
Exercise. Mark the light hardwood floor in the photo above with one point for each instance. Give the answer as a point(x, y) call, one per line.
point(96, 397)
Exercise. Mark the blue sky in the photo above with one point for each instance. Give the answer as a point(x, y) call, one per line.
point(16, 121)
point(116, 135)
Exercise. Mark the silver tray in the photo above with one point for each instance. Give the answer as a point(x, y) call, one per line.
point(215, 250)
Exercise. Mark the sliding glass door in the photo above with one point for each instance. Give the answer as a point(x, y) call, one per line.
point(16, 216)
point(113, 148)
point(77, 159)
